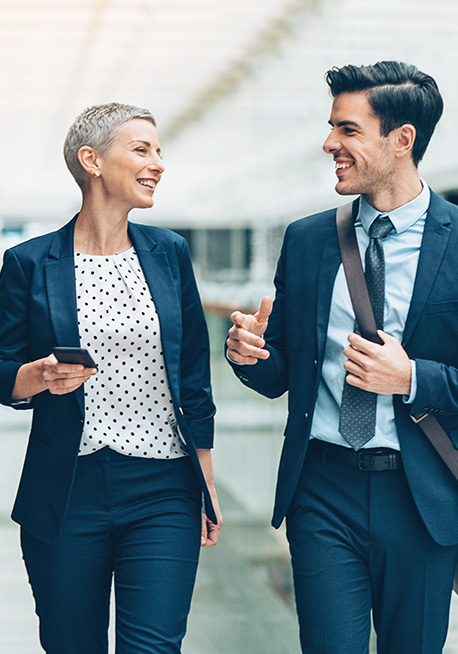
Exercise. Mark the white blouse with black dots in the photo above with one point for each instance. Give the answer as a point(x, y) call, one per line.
point(127, 404)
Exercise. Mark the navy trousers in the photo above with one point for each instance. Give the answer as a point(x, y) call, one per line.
point(358, 544)
point(136, 521)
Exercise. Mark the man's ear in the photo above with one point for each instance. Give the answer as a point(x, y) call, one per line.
point(405, 136)
point(89, 160)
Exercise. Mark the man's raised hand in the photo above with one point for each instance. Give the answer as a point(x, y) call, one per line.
point(245, 343)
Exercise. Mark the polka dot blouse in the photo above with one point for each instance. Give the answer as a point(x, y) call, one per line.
point(127, 404)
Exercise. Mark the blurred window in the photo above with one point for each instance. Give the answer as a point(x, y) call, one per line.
point(219, 252)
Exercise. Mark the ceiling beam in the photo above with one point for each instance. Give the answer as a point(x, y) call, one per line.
point(239, 70)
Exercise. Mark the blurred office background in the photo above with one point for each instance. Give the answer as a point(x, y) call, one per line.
point(238, 92)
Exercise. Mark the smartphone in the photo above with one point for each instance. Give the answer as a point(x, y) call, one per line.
point(74, 355)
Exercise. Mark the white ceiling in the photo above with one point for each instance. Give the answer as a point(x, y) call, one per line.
point(236, 87)
point(59, 56)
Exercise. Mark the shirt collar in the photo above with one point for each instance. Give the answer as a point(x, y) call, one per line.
point(402, 217)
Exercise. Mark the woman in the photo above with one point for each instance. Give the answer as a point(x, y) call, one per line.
point(118, 458)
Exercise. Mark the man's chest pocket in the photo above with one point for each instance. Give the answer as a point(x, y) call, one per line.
point(442, 307)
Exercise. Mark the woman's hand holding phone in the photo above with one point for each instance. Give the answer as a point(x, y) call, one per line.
point(66, 369)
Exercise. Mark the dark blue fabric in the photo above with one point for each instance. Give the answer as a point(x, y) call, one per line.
point(358, 542)
point(136, 519)
point(38, 312)
point(296, 339)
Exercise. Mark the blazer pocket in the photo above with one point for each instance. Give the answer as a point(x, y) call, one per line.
point(443, 307)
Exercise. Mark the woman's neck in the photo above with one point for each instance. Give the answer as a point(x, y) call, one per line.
point(101, 231)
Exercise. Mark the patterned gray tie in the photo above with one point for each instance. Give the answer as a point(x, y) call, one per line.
point(358, 408)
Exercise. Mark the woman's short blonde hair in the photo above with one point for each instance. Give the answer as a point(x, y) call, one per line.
point(97, 127)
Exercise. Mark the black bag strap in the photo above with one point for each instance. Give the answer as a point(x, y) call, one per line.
point(360, 300)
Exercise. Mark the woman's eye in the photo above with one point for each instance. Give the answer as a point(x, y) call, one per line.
point(140, 150)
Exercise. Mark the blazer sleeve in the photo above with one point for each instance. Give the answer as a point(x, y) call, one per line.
point(437, 389)
point(196, 395)
point(14, 327)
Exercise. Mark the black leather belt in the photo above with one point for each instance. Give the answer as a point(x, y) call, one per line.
point(367, 459)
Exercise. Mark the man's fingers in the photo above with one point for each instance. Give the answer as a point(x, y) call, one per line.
point(386, 338)
point(265, 309)
point(238, 318)
point(352, 354)
point(245, 343)
point(354, 380)
point(362, 345)
point(247, 359)
point(245, 347)
point(241, 335)
point(256, 323)
point(354, 368)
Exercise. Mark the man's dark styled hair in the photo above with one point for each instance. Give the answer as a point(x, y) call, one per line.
point(398, 93)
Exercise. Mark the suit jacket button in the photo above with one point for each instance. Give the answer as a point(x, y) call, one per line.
point(306, 416)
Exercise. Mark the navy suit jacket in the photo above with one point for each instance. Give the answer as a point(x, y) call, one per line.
point(296, 338)
point(38, 312)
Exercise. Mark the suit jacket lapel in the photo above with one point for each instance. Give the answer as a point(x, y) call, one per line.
point(60, 286)
point(433, 246)
point(61, 292)
point(329, 265)
point(163, 288)
point(330, 261)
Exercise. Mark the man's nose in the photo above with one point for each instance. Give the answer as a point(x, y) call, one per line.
point(331, 144)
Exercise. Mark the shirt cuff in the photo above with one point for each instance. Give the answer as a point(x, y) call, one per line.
point(409, 399)
point(235, 363)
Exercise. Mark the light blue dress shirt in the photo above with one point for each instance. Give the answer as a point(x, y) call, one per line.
point(402, 250)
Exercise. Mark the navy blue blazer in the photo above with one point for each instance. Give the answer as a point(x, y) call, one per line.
point(296, 338)
point(38, 312)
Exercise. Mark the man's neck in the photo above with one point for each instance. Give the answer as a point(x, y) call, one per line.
point(406, 190)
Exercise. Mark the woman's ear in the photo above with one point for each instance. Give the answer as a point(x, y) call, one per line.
point(89, 160)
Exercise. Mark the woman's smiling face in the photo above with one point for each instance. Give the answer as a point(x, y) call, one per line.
point(132, 167)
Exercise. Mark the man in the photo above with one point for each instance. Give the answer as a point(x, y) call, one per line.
point(371, 508)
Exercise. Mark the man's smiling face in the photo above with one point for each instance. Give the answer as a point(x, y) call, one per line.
point(364, 159)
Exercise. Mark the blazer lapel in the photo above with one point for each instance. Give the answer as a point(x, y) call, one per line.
point(433, 246)
point(61, 292)
point(60, 286)
point(329, 265)
point(163, 288)
point(330, 261)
